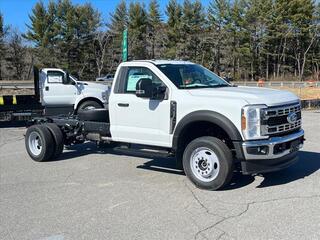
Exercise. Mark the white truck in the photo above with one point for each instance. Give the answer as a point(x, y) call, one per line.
point(55, 92)
point(61, 92)
point(209, 125)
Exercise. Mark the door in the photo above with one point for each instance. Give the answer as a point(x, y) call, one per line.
point(139, 120)
point(55, 93)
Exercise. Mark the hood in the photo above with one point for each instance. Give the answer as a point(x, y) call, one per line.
point(94, 85)
point(252, 95)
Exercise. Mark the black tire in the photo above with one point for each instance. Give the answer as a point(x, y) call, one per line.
point(95, 115)
point(222, 168)
point(58, 139)
point(45, 149)
point(89, 105)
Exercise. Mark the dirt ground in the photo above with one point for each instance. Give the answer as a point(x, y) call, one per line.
point(16, 92)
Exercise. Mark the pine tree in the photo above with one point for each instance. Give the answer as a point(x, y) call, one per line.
point(119, 22)
point(155, 30)
point(42, 33)
point(250, 38)
point(218, 14)
point(137, 31)
point(119, 19)
point(38, 31)
point(63, 33)
point(174, 14)
point(192, 26)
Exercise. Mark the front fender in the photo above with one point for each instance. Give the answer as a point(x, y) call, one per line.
point(80, 98)
point(208, 116)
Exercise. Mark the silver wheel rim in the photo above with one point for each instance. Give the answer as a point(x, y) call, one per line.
point(89, 108)
point(204, 164)
point(35, 144)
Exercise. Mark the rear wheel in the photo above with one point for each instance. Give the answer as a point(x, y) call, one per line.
point(39, 142)
point(207, 162)
point(58, 139)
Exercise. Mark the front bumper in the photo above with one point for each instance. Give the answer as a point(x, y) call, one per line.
point(272, 154)
point(269, 165)
point(277, 146)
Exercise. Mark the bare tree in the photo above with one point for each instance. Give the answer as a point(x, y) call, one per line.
point(16, 54)
point(3, 32)
point(102, 42)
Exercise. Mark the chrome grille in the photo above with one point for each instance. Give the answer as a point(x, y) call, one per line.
point(275, 119)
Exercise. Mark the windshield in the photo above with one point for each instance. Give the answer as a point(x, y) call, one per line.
point(186, 76)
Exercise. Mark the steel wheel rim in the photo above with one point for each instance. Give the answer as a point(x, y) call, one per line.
point(35, 144)
point(89, 108)
point(204, 164)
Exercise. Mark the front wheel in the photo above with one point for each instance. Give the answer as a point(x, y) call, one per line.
point(207, 162)
point(89, 105)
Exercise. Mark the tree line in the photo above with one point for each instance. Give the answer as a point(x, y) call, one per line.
point(240, 39)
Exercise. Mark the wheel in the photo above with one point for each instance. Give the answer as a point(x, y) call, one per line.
point(58, 139)
point(207, 162)
point(39, 142)
point(87, 105)
point(95, 115)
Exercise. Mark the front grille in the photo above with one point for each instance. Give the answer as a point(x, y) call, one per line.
point(275, 119)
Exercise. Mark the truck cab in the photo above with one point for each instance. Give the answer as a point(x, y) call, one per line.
point(62, 93)
point(209, 125)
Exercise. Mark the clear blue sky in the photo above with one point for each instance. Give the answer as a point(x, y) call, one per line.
point(16, 12)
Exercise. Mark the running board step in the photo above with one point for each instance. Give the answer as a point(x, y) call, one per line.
point(134, 149)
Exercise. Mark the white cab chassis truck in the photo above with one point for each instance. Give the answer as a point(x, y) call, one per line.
point(61, 93)
point(209, 125)
point(55, 92)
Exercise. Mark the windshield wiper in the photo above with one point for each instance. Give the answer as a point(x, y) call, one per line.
point(221, 85)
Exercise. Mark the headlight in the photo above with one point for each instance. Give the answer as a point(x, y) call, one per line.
point(251, 122)
point(105, 95)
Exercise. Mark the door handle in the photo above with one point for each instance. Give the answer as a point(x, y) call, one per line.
point(123, 104)
point(46, 88)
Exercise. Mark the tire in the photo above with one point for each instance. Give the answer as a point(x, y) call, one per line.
point(39, 142)
point(95, 115)
point(208, 163)
point(58, 139)
point(89, 105)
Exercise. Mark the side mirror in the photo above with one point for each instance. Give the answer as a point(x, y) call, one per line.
point(144, 88)
point(66, 79)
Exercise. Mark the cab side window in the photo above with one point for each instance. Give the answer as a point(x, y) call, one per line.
point(134, 74)
point(55, 77)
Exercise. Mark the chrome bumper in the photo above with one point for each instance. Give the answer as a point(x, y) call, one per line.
point(271, 143)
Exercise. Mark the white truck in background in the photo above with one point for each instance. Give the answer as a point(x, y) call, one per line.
point(55, 92)
point(62, 93)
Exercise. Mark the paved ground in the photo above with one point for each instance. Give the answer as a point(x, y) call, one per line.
point(94, 194)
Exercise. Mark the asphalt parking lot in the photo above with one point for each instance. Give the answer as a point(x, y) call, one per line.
point(92, 193)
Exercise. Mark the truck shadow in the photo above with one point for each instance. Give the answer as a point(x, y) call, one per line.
point(13, 124)
point(309, 162)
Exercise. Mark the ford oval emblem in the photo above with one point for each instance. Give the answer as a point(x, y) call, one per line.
point(292, 117)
